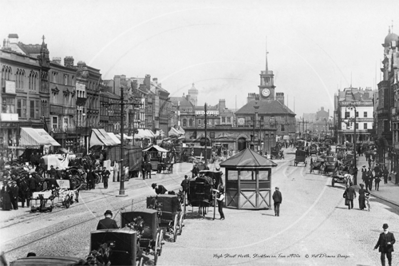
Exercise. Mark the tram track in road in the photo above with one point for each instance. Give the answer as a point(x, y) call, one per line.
point(36, 236)
point(56, 211)
point(64, 229)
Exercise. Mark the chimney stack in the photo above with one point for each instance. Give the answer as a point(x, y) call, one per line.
point(56, 60)
point(68, 61)
point(280, 97)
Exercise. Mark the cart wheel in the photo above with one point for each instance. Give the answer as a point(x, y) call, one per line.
point(141, 261)
point(67, 202)
point(160, 243)
point(175, 229)
point(181, 224)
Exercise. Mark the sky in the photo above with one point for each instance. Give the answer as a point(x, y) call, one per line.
point(315, 47)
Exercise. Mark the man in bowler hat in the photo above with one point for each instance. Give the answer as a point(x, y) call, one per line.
point(107, 222)
point(385, 245)
point(278, 199)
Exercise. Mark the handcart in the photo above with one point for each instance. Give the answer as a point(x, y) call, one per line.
point(42, 201)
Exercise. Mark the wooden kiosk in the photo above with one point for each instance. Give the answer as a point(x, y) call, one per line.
point(248, 181)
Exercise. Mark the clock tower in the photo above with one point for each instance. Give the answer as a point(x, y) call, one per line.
point(266, 87)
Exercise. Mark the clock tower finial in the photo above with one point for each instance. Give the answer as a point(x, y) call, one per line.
point(266, 87)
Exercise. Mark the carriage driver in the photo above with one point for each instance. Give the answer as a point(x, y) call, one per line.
point(107, 222)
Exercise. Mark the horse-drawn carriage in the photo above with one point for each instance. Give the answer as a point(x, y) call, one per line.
point(276, 153)
point(330, 164)
point(150, 234)
point(115, 247)
point(317, 163)
point(200, 192)
point(313, 149)
point(300, 157)
point(170, 213)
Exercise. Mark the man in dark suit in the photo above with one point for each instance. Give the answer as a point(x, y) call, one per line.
point(107, 222)
point(385, 244)
point(350, 196)
point(278, 199)
point(14, 195)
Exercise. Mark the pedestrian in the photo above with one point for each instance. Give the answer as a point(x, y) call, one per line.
point(364, 172)
point(159, 189)
point(278, 199)
point(143, 165)
point(385, 245)
point(52, 172)
point(377, 181)
point(14, 195)
point(349, 195)
point(362, 197)
point(370, 179)
point(148, 169)
point(385, 175)
point(116, 171)
point(220, 198)
point(90, 178)
point(24, 193)
point(106, 174)
point(367, 199)
point(107, 222)
point(5, 196)
point(185, 184)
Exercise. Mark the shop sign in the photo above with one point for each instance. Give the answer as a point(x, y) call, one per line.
point(10, 87)
point(356, 103)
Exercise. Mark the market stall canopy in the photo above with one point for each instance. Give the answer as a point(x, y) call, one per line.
point(100, 137)
point(124, 136)
point(155, 148)
point(36, 137)
point(114, 138)
point(248, 159)
point(144, 133)
point(176, 131)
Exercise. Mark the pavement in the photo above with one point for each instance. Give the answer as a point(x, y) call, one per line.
point(388, 192)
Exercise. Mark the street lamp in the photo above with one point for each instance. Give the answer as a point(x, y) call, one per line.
point(122, 178)
point(350, 107)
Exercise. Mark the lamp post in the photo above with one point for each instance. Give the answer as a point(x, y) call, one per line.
point(121, 179)
point(352, 106)
point(206, 140)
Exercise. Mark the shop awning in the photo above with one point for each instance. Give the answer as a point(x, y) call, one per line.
point(178, 131)
point(36, 137)
point(100, 137)
point(114, 138)
point(155, 148)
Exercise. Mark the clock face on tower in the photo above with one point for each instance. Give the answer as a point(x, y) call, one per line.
point(265, 92)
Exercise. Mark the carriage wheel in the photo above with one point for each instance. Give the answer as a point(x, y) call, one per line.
point(156, 248)
point(160, 242)
point(181, 224)
point(67, 202)
point(175, 229)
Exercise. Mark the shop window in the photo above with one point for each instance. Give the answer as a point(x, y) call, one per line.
point(32, 109)
point(223, 119)
point(190, 123)
point(54, 123)
point(8, 106)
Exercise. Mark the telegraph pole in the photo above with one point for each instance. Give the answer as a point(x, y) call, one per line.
point(206, 140)
point(122, 178)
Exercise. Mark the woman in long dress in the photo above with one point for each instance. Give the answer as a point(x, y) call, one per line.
point(362, 198)
point(5, 195)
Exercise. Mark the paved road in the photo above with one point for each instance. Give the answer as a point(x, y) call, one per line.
point(314, 222)
point(66, 232)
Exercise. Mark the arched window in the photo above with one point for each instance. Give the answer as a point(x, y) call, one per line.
point(184, 122)
point(190, 122)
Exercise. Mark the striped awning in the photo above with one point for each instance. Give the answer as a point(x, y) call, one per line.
point(36, 137)
point(100, 137)
point(114, 138)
